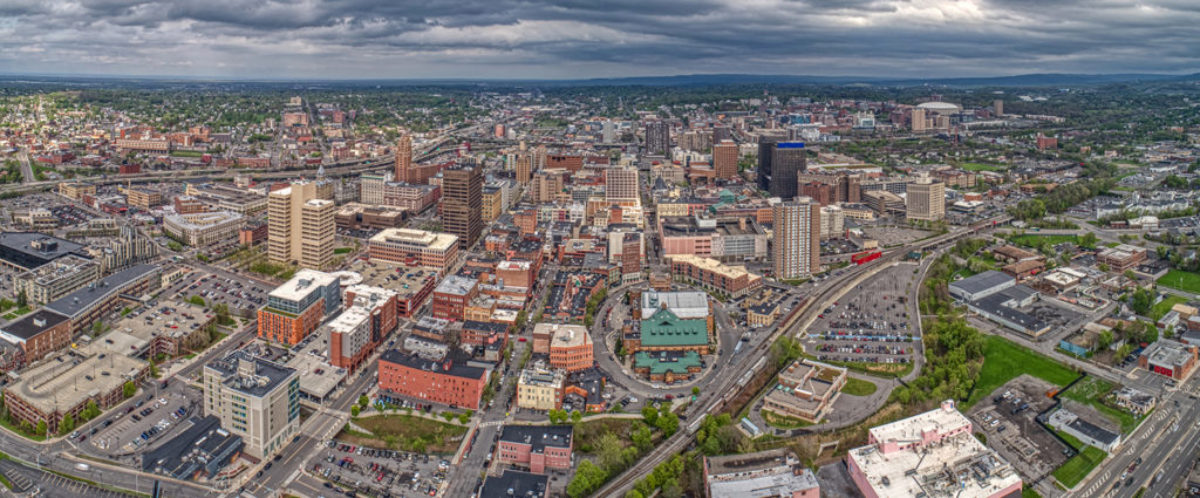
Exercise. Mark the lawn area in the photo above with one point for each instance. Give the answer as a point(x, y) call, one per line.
point(1028, 492)
point(1165, 305)
point(343, 250)
point(1182, 280)
point(783, 421)
point(980, 167)
point(858, 387)
point(1079, 466)
point(1091, 391)
point(186, 153)
point(1004, 360)
point(1034, 240)
point(20, 311)
point(884, 369)
point(406, 432)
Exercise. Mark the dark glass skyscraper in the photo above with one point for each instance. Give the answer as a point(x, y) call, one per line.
point(779, 163)
point(658, 138)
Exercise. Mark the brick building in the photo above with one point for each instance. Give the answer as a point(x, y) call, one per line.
point(535, 447)
point(447, 382)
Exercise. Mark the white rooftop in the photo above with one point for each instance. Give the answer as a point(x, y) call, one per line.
point(685, 304)
point(422, 238)
point(941, 420)
point(302, 284)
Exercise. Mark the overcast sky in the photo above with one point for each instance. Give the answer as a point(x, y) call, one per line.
point(333, 39)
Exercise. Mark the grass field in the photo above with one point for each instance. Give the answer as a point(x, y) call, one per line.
point(1079, 466)
point(980, 167)
point(1182, 280)
point(343, 250)
point(406, 432)
point(1031, 240)
point(858, 387)
point(1091, 391)
point(782, 421)
point(1165, 305)
point(1028, 492)
point(1004, 360)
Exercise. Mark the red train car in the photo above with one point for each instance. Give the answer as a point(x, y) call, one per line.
point(865, 257)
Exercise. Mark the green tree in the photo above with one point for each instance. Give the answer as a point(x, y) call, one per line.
point(1088, 240)
point(587, 478)
point(576, 416)
point(22, 299)
point(1141, 301)
point(695, 390)
point(363, 401)
point(67, 425)
point(650, 415)
point(610, 453)
point(41, 428)
point(354, 410)
point(129, 389)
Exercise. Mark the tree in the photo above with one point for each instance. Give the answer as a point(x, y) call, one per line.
point(1142, 301)
point(41, 428)
point(587, 478)
point(1088, 240)
point(695, 390)
point(609, 453)
point(153, 368)
point(354, 410)
point(22, 299)
point(130, 389)
point(668, 423)
point(363, 401)
point(67, 425)
point(463, 418)
point(642, 438)
point(649, 414)
point(576, 416)
point(1105, 340)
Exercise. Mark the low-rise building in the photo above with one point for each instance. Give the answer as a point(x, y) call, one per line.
point(667, 367)
point(453, 295)
point(56, 278)
point(38, 334)
point(1086, 432)
point(1122, 257)
point(535, 447)
point(204, 229)
point(770, 473)
point(806, 390)
point(199, 450)
point(51, 390)
point(438, 251)
point(171, 328)
point(1170, 358)
point(925, 454)
point(513, 483)
point(362, 327)
point(254, 398)
point(92, 303)
point(540, 388)
point(713, 275)
point(450, 381)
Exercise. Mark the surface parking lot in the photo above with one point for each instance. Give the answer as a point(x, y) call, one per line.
point(379, 472)
point(1013, 432)
point(241, 296)
point(871, 323)
point(148, 424)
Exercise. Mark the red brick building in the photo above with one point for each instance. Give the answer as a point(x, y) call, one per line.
point(536, 448)
point(448, 382)
point(451, 297)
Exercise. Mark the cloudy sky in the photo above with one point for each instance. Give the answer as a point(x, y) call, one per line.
point(333, 39)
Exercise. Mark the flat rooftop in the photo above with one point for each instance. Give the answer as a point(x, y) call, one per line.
point(959, 467)
point(76, 302)
point(538, 436)
point(456, 367)
point(265, 377)
point(196, 221)
point(31, 325)
point(416, 238)
point(981, 282)
point(171, 318)
point(36, 246)
point(318, 377)
point(685, 304)
point(62, 267)
point(514, 483)
point(69, 378)
point(457, 285)
point(301, 284)
point(708, 264)
point(405, 281)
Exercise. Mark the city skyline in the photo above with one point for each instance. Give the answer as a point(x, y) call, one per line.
point(501, 40)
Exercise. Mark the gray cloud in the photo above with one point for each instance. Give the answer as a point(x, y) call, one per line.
point(595, 38)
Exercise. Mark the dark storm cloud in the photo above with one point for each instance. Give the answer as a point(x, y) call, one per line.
point(582, 38)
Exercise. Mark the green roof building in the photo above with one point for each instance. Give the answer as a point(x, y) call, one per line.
point(665, 331)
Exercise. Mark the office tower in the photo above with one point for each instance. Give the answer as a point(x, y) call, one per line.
point(539, 159)
point(404, 158)
point(998, 107)
point(300, 226)
point(256, 399)
point(725, 159)
point(918, 120)
point(621, 186)
point(926, 200)
point(779, 164)
point(823, 193)
point(371, 187)
point(462, 204)
point(849, 188)
point(658, 138)
point(524, 167)
point(796, 250)
point(833, 221)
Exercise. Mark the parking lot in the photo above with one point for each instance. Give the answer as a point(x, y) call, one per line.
point(242, 297)
point(379, 472)
point(1012, 431)
point(870, 324)
point(145, 425)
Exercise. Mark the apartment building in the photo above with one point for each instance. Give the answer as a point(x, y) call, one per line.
point(296, 308)
point(300, 226)
point(256, 399)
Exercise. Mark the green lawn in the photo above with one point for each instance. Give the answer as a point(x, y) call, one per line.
point(1079, 466)
point(1028, 492)
point(1091, 391)
point(406, 432)
point(1182, 280)
point(980, 167)
point(782, 421)
point(1165, 305)
point(1031, 240)
point(186, 153)
point(20, 311)
point(858, 387)
point(342, 250)
point(1004, 360)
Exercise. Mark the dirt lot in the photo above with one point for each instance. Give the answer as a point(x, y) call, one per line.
point(1016, 436)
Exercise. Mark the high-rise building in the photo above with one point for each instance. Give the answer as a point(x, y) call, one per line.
point(796, 250)
point(998, 107)
point(725, 159)
point(300, 226)
point(658, 138)
point(926, 200)
point(621, 186)
point(404, 158)
point(462, 204)
point(721, 134)
point(833, 221)
point(524, 167)
point(919, 124)
point(609, 132)
point(779, 164)
point(256, 399)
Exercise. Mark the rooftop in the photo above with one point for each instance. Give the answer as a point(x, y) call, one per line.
point(301, 284)
point(405, 281)
point(36, 246)
point(1168, 352)
point(457, 285)
point(62, 267)
point(73, 376)
point(728, 271)
point(76, 302)
point(538, 436)
point(515, 484)
point(171, 318)
point(766, 473)
point(202, 442)
point(661, 362)
point(686, 304)
point(416, 238)
point(249, 374)
point(456, 367)
point(981, 282)
point(197, 221)
point(31, 325)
